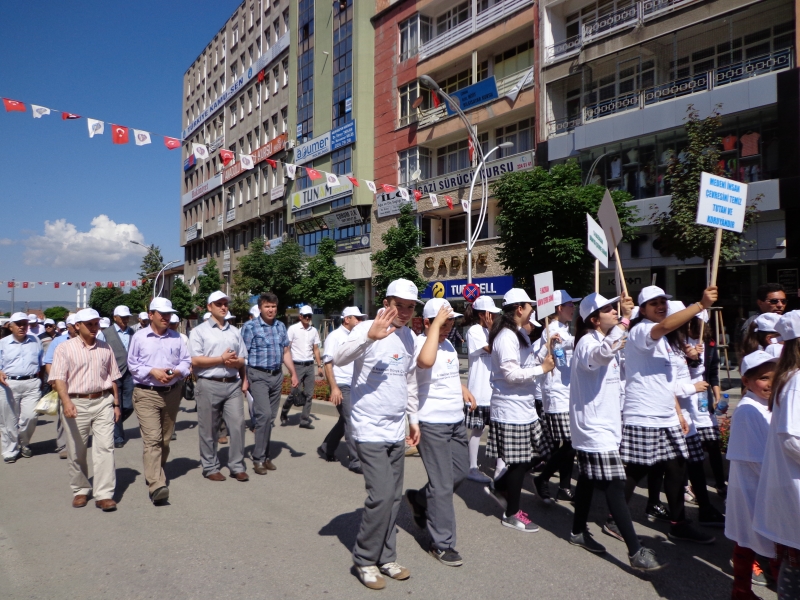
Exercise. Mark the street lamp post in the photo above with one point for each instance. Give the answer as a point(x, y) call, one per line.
point(155, 281)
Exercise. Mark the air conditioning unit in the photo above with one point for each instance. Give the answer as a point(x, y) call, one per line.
point(291, 144)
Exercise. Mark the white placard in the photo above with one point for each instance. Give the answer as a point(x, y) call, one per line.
point(607, 215)
point(343, 218)
point(545, 294)
point(722, 203)
point(597, 242)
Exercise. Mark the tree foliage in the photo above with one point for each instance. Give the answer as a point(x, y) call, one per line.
point(240, 296)
point(399, 257)
point(152, 262)
point(678, 234)
point(325, 285)
point(280, 272)
point(210, 281)
point(542, 224)
point(57, 313)
point(182, 299)
point(105, 300)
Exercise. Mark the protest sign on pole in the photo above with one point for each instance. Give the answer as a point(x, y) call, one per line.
point(597, 245)
point(545, 300)
point(609, 220)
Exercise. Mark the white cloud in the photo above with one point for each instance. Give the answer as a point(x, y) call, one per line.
point(105, 247)
point(6, 242)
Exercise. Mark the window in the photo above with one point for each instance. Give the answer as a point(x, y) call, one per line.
point(412, 159)
point(258, 45)
point(231, 198)
point(408, 95)
point(305, 70)
point(513, 60)
point(234, 70)
point(255, 183)
point(235, 39)
point(249, 101)
point(264, 180)
point(342, 161)
point(284, 120)
point(266, 86)
point(276, 81)
point(241, 145)
point(241, 192)
point(250, 56)
point(285, 72)
point(258, 95)
point(453, 17)
point(274, 126)
point(257, 135)
point(276, 27)
point(342, 63)
point(241, 107)
point(272, 223)
point(457, 229)
point(413, 33)
point(233, 114)
point(457, 81)
point(520, 134)
point(249, 143)
point(248, 188)
point(286, 21)
point(452, 157)
point(251, 20)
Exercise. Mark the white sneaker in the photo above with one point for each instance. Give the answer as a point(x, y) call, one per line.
point(371, 577)
point(476, 475)
point(395, 571)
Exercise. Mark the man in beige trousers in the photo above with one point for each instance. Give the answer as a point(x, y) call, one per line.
point(159, 362)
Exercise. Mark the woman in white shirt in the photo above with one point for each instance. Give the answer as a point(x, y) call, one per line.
point(436, 415)
point(596, 424)
point(778, 498)
point(653, 426)
point(515, 432)
point(480, 370)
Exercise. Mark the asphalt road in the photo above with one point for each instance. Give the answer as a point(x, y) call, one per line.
point(288, 534)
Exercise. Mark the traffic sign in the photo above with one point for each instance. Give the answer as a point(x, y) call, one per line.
point(471, 292)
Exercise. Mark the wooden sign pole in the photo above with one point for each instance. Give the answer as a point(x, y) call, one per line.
point(596, 276)
point(714, 271)
point(619, 266)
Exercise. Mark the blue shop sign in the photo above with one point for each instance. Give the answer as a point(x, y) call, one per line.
point(474, 95)
point(492, 286)
point(343, 136)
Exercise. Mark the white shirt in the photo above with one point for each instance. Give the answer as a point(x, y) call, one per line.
point(342, 375)
point(384, 377)
point(512, 381)
point(684, 389)
point(555, 386)
point(302, 341)
point(778, 498)
point(749, 431)
point(649, 380)
point(208, 339)
point(594, 416)
point(701, 418)
point(439, 398)
point(480, 365)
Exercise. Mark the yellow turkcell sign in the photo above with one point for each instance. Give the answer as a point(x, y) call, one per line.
point(438, 290)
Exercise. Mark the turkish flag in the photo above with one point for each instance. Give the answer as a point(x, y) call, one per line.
point(388, 188)
point(25, 285)
point(353, 180)
point(226, 156)
point(172, 143)
point(417, 195)
point(119, 134)
point(260, 76)
point(449, 201)
point(98, 284)
point(67, 116)
point(271, 163)
point(470, 149)
point(41, 282)
point(110, 284)
point(11, 284)
point(69, 283)
point(121, 284)
point(313, 173)
point(83, 284)
point(436, 101)
point(13, 105)
point(133, 283)
point(56, 284)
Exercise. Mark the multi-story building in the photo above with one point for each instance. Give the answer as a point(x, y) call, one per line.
point(237, 97)
point(482, 52)
point(617, 79)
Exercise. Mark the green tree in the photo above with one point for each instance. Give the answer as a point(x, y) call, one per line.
point(240, 296)
point(210, 281)
point(399, 257)
point(288, 270)
point(104, 299)
point(325, 285)
point(255, 268)
point(182, 299)
point(678, 234)
point(152, 262)
point(542, 224)
point(57, 313)
point(132, 301)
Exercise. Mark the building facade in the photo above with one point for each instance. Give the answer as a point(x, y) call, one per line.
point(482, 52)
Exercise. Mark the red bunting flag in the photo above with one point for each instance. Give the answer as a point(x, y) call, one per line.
point(40, 282)
point(260, 76)
point(69, 283)
point(11, 284)
point(56, 284)
point(13, 105)
point(470, 149)
point(133, 283)
point(436, 101)
point(25, 285)
point(109, 284)
point(65, 116)
point(119, 134)
point(98, 284)
point(417, 195)
point(271, 163)
point(226, 156)
point(83, 284)
point(388, 188)
point(172, 143)
point(313, 173)
point(121, 284)
point(353, 180)
point(449, 201)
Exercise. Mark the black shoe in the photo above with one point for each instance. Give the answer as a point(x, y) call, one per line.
point(657, 512)
point(174, 437)
point(711, 517)
point(306, 425)
point(10, 459)
point(119, 445)
point(160, 495)
point(448, 557)
point(610, 528)
point(645, 560)
point(585, 540)
point(25, 452)
point(356, 470)
point(686, 533)
point(419, 514)
point(284, 420)
point(543, 489)
point(565, 494)
point(722, 492)
point(325, 456)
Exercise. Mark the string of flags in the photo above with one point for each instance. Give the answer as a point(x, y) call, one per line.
point(27, 285)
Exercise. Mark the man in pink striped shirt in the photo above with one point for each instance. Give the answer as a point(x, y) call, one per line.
point(84, 372)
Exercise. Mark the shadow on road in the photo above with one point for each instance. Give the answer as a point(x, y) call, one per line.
point(344, 527)
point(178, 467)
point(125, 477)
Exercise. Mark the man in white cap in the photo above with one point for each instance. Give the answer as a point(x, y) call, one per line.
point(159, 361)
point(174, 324)
point(47, 362)
point(254, 312)
point(33, 325)
point(49, 331)
point(20, 368)
point(144, 321)
point(384, 378)
point(61, 328)
point(267, 346)
point(340, 379)
point(304, 345)
point(83, 374)
point(118, 336)
point(218, 353)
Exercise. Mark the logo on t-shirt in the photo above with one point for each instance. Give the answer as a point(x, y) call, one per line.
point(396, 358)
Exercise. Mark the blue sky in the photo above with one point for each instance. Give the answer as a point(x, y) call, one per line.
point(120, 62)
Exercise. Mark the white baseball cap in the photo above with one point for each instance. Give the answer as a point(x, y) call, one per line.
point(61, 325)
point(143, 316)
point(634, 312)
point(174, 318)
point(105, 322)
point(486, 303)
point(49, 322)
point(161, 305)
point(230, 317)
point(774, 350)
point(403, 289)
point(20, 316)
point(87, 314)
point(562, 297)
point(71, 319)
point(255, 311)
point(789, 325)
point(532, 319)
point(593, 302)
point(206, 316)
point(32, 318)
point(433, 306)
point(218, 295)
point(306, 310)
point(122, 311)
point(517, 296)
point(674, 306)
point(756, 359)
point(352, 311)
point(650, 293)
point(767, 322)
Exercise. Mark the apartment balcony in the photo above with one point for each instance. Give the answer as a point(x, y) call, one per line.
point(480, 21)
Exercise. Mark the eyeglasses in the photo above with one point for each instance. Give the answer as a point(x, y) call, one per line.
point(305, 316)
point(775, 301)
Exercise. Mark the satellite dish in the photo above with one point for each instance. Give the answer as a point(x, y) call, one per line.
point(416, 175)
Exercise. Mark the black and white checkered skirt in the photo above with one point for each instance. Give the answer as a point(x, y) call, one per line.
point(601, 466)
point(651, 445)
point(708, 434)
point(517, 442)
point(557, 425)
point(695, 447)
point(478, 418)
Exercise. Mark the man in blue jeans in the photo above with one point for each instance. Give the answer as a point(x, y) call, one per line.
point(118, 336)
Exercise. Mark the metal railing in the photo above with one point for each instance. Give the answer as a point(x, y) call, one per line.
point(611, 22)
point(565, 49)
point(565, 125)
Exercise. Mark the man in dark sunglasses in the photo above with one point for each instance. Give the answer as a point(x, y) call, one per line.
point(770, 298)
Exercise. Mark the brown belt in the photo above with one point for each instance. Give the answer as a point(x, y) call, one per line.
point(91, 396)
point(222, 379)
